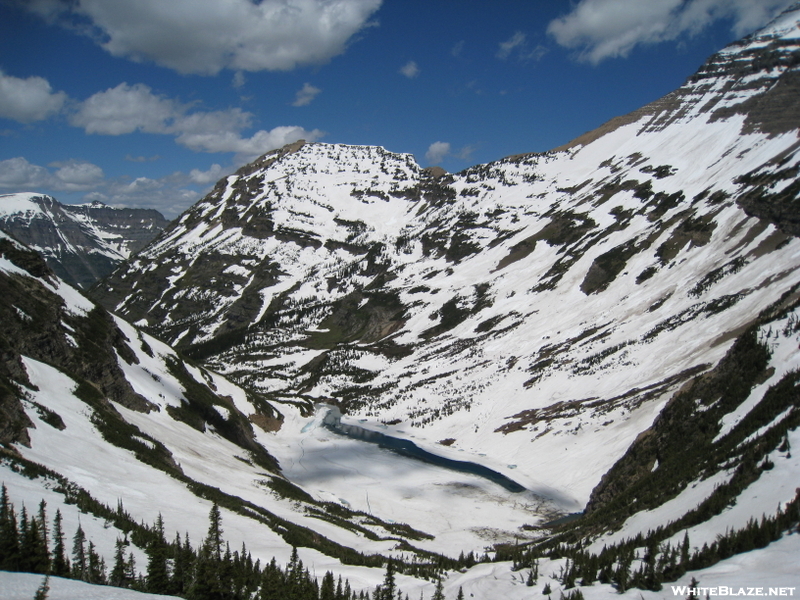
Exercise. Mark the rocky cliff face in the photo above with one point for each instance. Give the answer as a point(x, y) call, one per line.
point(82, 243)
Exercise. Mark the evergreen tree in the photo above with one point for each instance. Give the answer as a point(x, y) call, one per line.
point(60, 563)
point(272, 582)
point(9, 534)
point(43, 589)
point(182, 566)
point(388, 587)
point(157, 550)
point(460, 594)
point(118, 571)
point(79, 560)
point(24, 554)
point(327, 590)
point(214, 538)
point(42, 554)
point(438, 593)
point(96, 566)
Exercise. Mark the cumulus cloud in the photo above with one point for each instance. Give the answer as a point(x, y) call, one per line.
point(305, 95)
point(601, 29)
point(128, 108)
point(18, 174)
point(246, 148)
point(410, 69)
point(437, 151)
point(213, 174)
point(206, 36)
point(73, 176)
point(70, 176)
point(170, 194)
point(28, 100)
point(125, 109)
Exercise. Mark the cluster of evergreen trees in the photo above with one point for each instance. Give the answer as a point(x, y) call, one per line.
point(210, 572)
point(623, 566)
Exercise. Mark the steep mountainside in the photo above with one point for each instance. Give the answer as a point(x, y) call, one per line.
point(81, 243)
point(542, 304)
point(390, 361)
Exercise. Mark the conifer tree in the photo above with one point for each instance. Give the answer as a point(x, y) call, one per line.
point(388, 587)
point(60, 563)
point(43, 589)
point(117, 577)
point(327, 590)
point(157, 575)
point(438, 593)
point(214, 538)
point(96, 566)
point(9, 534)
point(43, 549)
point(79, 559)
point(182, 566)
point(460, 594)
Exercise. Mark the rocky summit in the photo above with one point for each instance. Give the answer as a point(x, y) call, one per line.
point(576, 368)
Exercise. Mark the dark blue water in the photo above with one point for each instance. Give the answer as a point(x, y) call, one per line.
point(332, 421)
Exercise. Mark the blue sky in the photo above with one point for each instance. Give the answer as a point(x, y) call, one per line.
point(149, 103)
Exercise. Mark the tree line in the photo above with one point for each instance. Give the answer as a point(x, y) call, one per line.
point(212, 571)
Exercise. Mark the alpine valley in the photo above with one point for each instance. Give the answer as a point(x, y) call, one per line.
point(570, 374)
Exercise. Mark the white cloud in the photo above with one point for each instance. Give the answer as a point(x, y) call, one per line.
point(518, 44)
point(238, 80)
point(18, 174)
point(410, 69)
point(214, 174)
point(246, 149)
point(128, 108)
point(69, 176)
point(28, 100)
point(602, 29)
point(77, 175)
point(170, 194)
point(125, 109)
point(437, 151)
point(206, 36)
point(515, 41)
point(306, 95)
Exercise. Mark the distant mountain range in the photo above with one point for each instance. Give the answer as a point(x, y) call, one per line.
point(612, 326)
point(81, 243)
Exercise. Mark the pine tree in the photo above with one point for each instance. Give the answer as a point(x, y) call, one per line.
point(388, 587)
point(43, 589)
point(327, 590)
point(96, 566)
point(60, 563)
point(117, 577)
point(438, 593)
point(214, 538)
point(43, 549)
point(79, 559)
point(9, 534)
point(182, 566)
point(157, 575)
point(460, 594)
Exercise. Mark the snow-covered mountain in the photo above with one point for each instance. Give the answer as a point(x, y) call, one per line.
point(540, 306)
point(609, 329)
point(81, 243)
